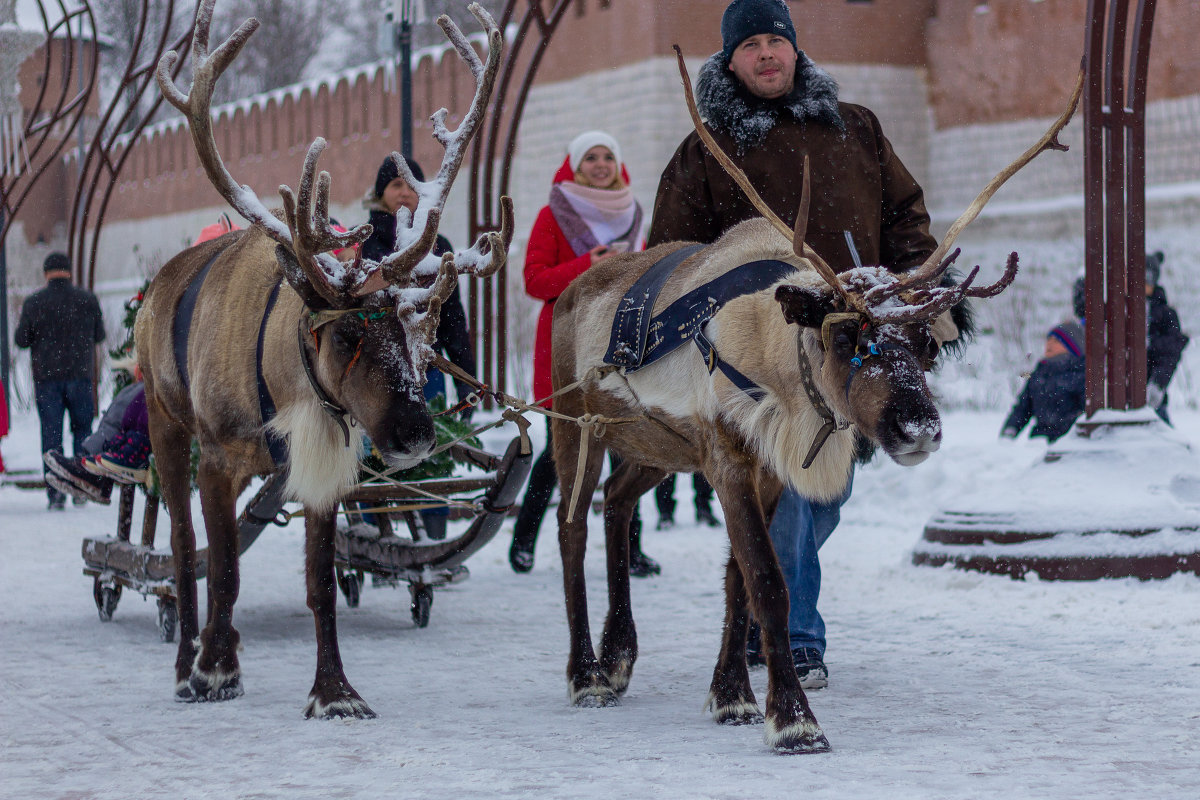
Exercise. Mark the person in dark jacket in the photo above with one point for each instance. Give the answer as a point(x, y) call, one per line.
point(388, 195)
point(61, 325)
point(1054, 393)
point(1165, 339)
point(768, 105)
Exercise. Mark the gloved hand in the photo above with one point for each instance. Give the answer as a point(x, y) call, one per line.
point(1154, 395)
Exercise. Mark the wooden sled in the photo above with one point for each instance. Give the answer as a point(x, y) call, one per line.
point(367, 543)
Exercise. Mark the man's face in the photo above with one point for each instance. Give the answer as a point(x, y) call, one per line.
point(765, 64)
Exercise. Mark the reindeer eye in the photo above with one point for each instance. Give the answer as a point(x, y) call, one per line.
point(347, 337)
point(843, 344)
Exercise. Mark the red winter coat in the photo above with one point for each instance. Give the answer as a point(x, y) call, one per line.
point(550, 266)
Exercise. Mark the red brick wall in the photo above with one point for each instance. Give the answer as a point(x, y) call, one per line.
point(1014, 60)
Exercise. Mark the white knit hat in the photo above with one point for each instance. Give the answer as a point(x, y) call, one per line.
point(585, 141)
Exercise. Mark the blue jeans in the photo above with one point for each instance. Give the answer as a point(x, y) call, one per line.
point(798, 530)
point(54, 398)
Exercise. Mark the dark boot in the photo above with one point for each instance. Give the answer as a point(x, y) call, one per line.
point(640, 564)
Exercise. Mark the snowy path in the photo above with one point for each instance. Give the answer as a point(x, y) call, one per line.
point(943, 684)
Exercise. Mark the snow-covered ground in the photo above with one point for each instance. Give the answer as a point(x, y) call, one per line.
point(943, 684)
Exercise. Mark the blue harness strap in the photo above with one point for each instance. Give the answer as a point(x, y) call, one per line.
point(684, 318)
point(631, 323)
point(181, 326)
point(276, 445)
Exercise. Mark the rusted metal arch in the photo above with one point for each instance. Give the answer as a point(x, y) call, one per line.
point(1115, 202)
point(98, 178)
point(535, 28)
point(44, 118)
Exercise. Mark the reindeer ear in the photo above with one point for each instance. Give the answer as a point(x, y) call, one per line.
point(803, 306)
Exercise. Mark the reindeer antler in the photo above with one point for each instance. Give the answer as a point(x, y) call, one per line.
point(416, 236)
point(928, 273)
point(924, 301)
point(308, 237)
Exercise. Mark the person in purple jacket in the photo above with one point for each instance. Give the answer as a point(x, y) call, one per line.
point(119, 450)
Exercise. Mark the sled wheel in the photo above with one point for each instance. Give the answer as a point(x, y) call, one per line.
point(168, 619)
point(351, 585)
point(422, 602)
point(106, 598)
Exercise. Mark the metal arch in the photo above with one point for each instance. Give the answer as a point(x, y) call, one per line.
point(99, 175)
point(536, 27)
point(1115, 202)
point(44, 118)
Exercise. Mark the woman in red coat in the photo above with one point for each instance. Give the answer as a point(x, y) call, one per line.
point(592, 215)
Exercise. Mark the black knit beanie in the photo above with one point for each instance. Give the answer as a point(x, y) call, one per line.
point(388, 172)
point(1154, 267)
point(746, 18)
point(56, 261)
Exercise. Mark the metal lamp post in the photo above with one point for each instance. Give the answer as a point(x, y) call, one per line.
point(404, 14)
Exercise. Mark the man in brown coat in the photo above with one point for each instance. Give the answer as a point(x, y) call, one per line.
point(768, 105)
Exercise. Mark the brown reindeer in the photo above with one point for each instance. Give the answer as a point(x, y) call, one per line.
point(776, 397)
point(267, 349)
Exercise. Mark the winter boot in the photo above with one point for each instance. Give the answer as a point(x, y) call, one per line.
point(78, 482)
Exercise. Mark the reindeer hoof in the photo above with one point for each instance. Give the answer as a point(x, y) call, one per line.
point(619, 674)
point(595, 693)
point(802, 736)
point(735, 712)
point(214, 688)
point(348, 707)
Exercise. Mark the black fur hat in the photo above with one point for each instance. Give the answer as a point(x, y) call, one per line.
point(388, 172)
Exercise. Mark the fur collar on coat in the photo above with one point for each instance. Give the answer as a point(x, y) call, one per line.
point(727, 106)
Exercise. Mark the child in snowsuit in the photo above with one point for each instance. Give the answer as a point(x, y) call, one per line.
point(1054, 393)
point(118, 451)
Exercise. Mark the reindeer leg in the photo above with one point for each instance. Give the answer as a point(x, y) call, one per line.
point(730, 698)
point(618, 644)
point(216, 674)
point(791, 726)
point(172, 446)
point(332, 695)
point(586, 684)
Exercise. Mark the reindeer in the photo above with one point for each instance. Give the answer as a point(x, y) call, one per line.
point(777, 397)
point(266, 349)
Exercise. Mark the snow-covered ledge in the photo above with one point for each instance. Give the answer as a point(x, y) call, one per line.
point(1118, 496)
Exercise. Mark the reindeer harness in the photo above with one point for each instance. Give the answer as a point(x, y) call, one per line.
point(181, 329)
point(638, 339)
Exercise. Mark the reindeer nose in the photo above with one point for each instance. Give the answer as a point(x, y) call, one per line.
point(911, 441)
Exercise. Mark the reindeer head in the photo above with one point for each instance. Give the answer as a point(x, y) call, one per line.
point(366, 338)
point(872, 332)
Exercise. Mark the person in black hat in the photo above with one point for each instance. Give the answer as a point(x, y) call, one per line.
point(388, 195)
point(767, 105)
point(1054, 393)
point(61, 325)
point(1165, 339)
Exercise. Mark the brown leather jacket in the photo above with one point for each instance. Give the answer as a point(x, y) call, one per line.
point(858, 182)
